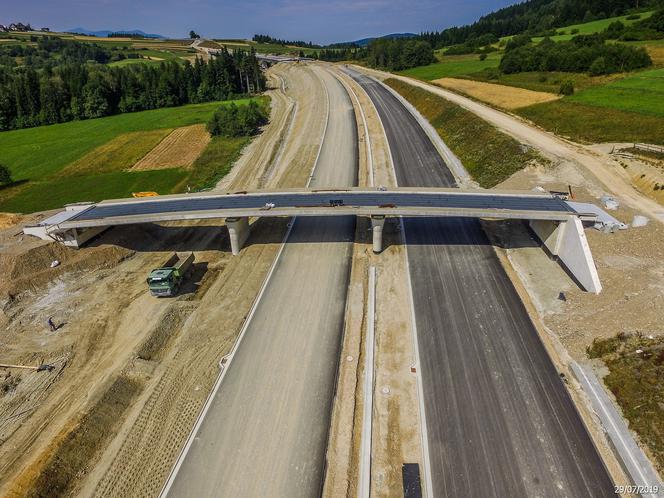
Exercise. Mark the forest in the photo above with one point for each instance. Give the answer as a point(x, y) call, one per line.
point(73, 89)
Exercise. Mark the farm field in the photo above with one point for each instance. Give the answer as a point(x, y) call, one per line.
point(506, 97)
point(98, 151)
point(629, 109)
point(153, 51)
point(641, 92)
point(453, 66)
point(179, 149)
point(592, 124)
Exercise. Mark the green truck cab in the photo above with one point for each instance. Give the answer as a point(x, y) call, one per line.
point(165, 281)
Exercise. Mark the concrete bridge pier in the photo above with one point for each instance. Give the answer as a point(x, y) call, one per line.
point(238, 230)
point(567, 241)
point(377, 223)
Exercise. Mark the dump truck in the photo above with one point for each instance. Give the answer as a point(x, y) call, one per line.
point(166, 280)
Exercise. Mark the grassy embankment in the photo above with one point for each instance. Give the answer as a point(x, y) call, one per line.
point(489, 155)
point(614, 108)
point(637, 381)
point(87, 160)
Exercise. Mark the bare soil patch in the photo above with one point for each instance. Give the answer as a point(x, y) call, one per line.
point(178, 150)
point(9, 220)
point(507, 97)
point(32, 269)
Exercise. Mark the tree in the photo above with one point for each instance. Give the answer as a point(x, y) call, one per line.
point(5, 175)
point(598, 67)
point(193, 35)
point(566, 87)
point(233, 121)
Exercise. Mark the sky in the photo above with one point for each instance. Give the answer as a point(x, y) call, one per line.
point(319, 21)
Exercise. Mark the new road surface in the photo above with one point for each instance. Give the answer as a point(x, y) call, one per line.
point(265, 432)
point(499, 420)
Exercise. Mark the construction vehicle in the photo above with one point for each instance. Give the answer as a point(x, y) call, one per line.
point(166, 280)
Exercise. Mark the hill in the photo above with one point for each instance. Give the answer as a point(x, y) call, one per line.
point(535, 17)
point(105, 33)
point(365, 41)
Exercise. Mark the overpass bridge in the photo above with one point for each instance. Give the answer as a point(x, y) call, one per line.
point(556, 223)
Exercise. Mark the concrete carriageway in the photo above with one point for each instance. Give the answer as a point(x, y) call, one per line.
point(498, 419)
point(265, 429)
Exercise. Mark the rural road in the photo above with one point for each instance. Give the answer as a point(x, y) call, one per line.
point(499, 419)
point(265, 432)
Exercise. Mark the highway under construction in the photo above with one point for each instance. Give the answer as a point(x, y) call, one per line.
point(257, 384)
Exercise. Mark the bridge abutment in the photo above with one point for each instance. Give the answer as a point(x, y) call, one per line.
point(567, 241)
point(238, 231)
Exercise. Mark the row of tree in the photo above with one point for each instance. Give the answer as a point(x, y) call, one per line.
point(79, 91)
point(399, 53)
point(278, 41)
point(586, 53)
point(534, 17)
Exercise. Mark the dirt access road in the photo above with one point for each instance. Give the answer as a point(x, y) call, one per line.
point(606, 170)
point(265, 432)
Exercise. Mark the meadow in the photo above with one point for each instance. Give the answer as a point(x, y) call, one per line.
point(453, 66)
point(641, 92)
point(42, 160)
point(592, 27)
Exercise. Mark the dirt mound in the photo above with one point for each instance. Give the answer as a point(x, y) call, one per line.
point(31, 269)
point(9, 220)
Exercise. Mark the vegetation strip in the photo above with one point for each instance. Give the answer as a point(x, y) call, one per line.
point(636, 379)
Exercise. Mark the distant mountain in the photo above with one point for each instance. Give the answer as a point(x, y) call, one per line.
point(365, 41)
point(105, 33)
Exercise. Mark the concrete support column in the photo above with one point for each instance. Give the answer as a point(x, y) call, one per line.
point(238, 230)
point(568, 242)
point(377, 223)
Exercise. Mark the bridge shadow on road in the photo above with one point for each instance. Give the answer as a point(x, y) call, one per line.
point(212, 235)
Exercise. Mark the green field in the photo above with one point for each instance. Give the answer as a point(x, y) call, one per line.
point(453, 67)
point(641, 92)
point(58, 191)
point(38, 156)
point(592, 124)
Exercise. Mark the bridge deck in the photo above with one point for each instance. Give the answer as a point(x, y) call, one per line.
point(362, 202)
